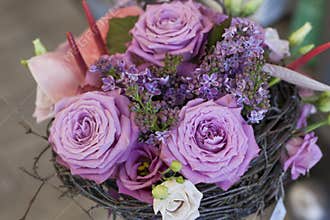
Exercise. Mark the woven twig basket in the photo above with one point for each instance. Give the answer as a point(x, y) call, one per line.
point(257, 189)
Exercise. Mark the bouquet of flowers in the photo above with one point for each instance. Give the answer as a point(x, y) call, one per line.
point(184, 109)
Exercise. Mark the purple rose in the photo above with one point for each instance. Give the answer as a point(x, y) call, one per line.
point(177, 28)
point(212, 141)
point(93, 133)
point(301, 155)
point(306, 111)
point(141, 170)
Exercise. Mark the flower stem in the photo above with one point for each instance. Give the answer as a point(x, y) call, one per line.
point(311, 128)
point(308, 56)
point(274, 81)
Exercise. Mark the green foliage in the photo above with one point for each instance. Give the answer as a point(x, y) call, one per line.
point(240, 8)
point(118, 35)
point(216, 33)
point(251, 7)
point(171, 63)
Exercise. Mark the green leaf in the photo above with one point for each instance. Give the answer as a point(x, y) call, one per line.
point(216, 33)
point(118, 35)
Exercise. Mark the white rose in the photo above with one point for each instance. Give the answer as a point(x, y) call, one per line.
point(279, 48)
point(182, 202)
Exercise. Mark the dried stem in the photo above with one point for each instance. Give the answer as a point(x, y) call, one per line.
point(33, 200)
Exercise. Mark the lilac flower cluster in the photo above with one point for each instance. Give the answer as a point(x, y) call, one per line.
point(156, 92)
point(235, 67)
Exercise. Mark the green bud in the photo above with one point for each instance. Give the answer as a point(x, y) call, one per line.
point(227, 4)
point(233, 7)
point(24, 62)
point(180, 180)
point(305, 49)
point(251, 7)
point(213, 4)
point(176, 166)
point(323, 104)
point(39, 48)
point(160, 192)
point(299, 35)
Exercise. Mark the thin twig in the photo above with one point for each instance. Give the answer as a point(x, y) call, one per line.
point(29, 130)
point(33, 200)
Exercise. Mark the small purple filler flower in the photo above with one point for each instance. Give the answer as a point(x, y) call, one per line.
point(109, 83)
point(93, 133)
point(212, 141)
point(141, 170)
point(176, 28)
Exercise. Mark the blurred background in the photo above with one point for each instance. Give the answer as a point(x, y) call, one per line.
point(23, 21)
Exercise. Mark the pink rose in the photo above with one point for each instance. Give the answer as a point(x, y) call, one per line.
point(57, 73)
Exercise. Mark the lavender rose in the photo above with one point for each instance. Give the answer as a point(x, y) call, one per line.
point(141, 170)
point(212, 141)
point(302, 153)
point(93, 133)
point(177, 28)
point(306, 111)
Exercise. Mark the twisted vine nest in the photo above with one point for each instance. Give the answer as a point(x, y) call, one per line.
point(257, 189)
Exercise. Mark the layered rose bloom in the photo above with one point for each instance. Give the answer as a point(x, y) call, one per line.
point(212, 141)
point(139, 172)
point(302, 153)
point(57, 73)
point(176, 28)
point(93, 133)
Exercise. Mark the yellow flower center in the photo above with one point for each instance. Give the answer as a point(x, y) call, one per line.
point(143, 169)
